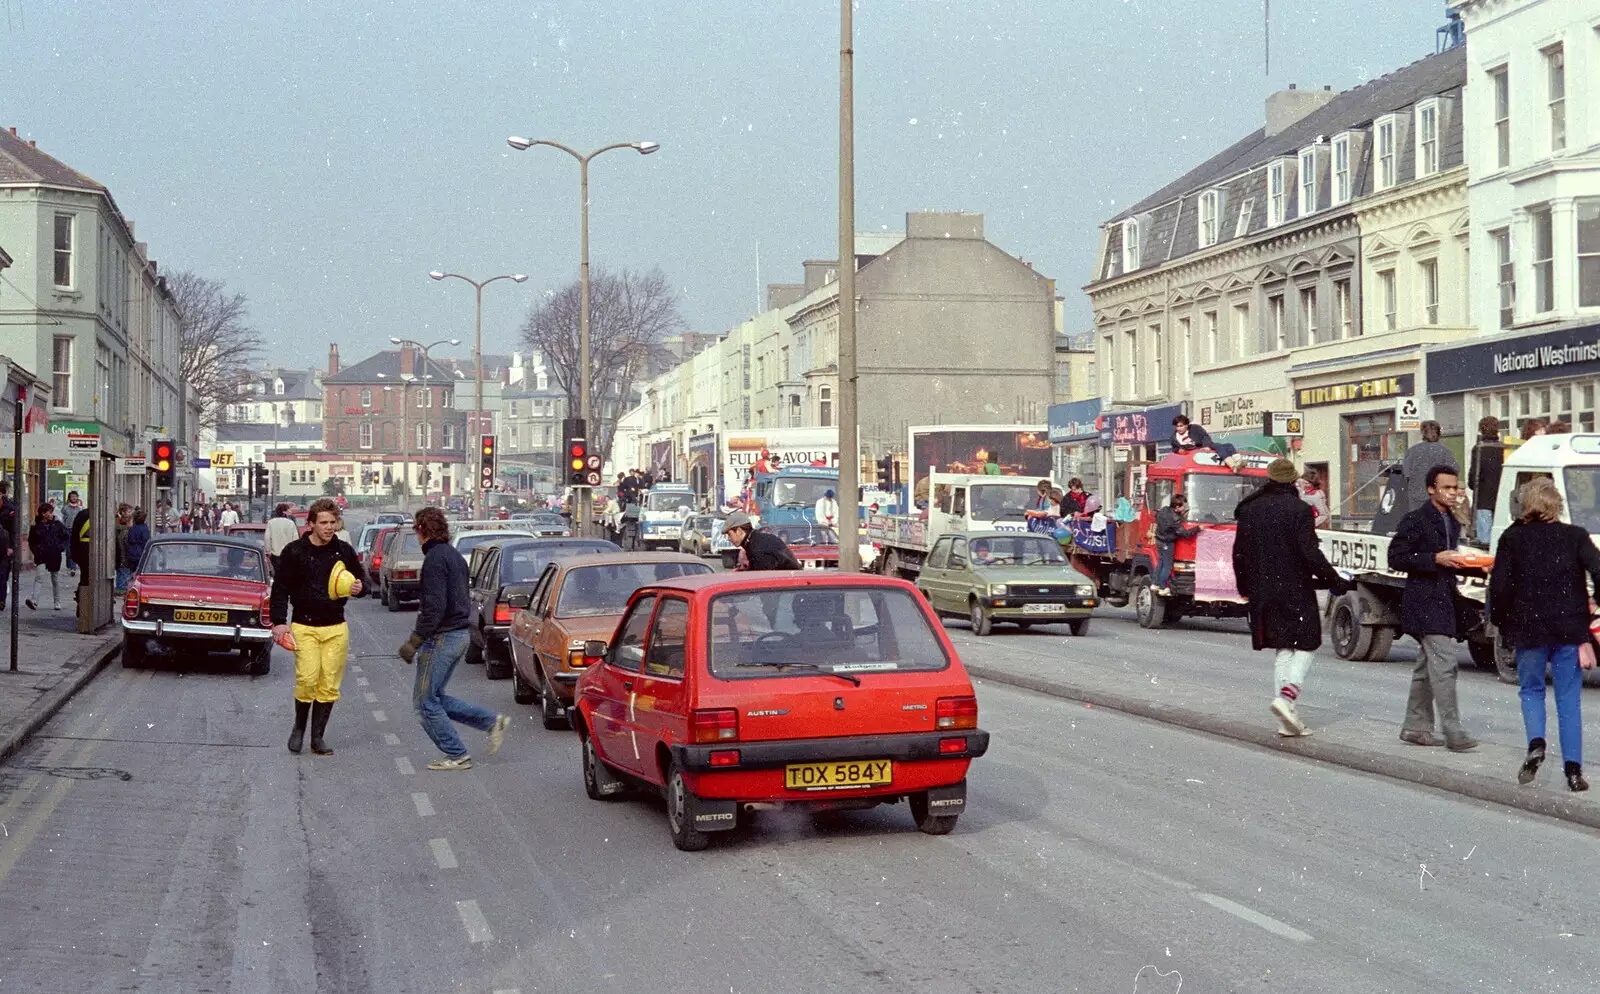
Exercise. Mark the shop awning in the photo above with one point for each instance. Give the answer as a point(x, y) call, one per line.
point(1247, 441)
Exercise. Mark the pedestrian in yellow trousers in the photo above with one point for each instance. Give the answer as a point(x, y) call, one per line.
point(316, 573)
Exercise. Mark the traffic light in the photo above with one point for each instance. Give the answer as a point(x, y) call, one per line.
point(486, 468)
point(259, 480)
point(886, 473)
point(583, 466)
point(161, 460)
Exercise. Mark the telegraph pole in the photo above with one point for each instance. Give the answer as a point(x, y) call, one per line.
point(849, 449)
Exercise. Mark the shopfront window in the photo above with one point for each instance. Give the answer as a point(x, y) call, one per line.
point(1371, 444)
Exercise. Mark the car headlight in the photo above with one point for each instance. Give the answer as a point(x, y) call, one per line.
point(997, 590)
point(1085, 591)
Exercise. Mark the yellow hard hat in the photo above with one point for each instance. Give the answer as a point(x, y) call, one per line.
point(340, 581)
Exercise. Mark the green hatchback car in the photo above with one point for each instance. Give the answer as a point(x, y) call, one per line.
point(1017, 577)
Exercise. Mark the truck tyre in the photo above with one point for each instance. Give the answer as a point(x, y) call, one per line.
point(981, 623)
point(1382, 640)
point(1147, 604)
point(1351, 639)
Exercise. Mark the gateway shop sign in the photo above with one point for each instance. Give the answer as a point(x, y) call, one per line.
point(1523, 359)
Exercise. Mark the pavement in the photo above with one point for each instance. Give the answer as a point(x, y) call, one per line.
point(53, 663)
point(1202, 675)
point(156, 836)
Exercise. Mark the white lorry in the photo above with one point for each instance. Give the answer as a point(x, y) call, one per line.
point(1365, 622)
point(956, 503)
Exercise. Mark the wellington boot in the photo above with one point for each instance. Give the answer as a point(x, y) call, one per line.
point(319, 724)
point(297, 737)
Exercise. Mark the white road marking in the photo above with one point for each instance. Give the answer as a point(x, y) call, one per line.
point(1254, 917)
point(472, 919)
point(404, 766)
point(442, 854)
point(391, 739)
point(370, 697)
point(508, 990)
point(355, 669)
point(362, 681)
point(379, 716)
point(424, 806)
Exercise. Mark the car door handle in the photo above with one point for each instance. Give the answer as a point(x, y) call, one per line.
point(627, 685)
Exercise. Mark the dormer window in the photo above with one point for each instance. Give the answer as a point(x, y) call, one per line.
point(1342, 180)
point(1210, 217)
point(1383, 142)
point(1308, 181)
point(277, 387)
point(1130, 245)
point(1277, 193)
point(1427, 138)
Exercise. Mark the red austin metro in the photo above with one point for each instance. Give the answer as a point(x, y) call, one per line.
point(736, 692)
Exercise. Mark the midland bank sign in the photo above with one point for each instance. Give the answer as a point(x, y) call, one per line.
point(1523, 359)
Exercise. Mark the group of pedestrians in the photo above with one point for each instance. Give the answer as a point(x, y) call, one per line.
point(316, 574)
point(1538, 599)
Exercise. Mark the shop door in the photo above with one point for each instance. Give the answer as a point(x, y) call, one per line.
point(1370, 444)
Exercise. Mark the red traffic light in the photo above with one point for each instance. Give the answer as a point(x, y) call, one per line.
point(578, 450)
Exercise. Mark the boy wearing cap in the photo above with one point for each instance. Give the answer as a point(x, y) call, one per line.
point(308, 577)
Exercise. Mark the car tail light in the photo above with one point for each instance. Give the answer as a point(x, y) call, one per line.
point(725, 757)
point(714, 725)
point(130, 603)
point(956, 712)
point(576, 659)
point(948, 746)
point(377, 560)
point(266, 610)
point(405, 574)
point(502, 614)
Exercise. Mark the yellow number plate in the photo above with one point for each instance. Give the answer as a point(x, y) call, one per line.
point(838, 776)
point(204, 617)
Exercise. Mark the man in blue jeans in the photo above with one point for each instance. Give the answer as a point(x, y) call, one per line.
point(440, 642)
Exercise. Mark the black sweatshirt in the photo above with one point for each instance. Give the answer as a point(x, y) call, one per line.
point(302, 577)
point(445, 602)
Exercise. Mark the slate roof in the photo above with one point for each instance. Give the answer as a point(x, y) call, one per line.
point(298, 384)
point(21, 162)
point(1350, 109)
point(386, 362)
point(234, 432)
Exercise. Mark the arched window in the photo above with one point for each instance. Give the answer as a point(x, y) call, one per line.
point(825, 407)
point(366, 434)
point(424, 435)
point(366, 396)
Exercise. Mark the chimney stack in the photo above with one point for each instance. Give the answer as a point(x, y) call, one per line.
point(408, 361)
point(333, 358)
point(1286, 107)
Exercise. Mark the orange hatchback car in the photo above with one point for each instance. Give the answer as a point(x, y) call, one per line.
point(578, 600)
point(734, 692)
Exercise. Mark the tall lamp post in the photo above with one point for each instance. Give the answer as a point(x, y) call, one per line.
point(405, 501)
point(477, 356)
point(849, 446)
point(643, 148)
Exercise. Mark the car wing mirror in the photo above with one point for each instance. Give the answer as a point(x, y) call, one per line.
point(594, 648)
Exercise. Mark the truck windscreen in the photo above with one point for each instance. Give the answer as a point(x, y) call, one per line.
point(1583, 497)
point(668, 500)
point(801, 491)
point(1213, 496)
point(1001, 501)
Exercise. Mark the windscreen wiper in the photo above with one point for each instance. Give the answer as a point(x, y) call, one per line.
point(810, 668)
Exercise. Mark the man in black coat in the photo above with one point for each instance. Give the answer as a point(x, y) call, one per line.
point(762, 550)
point(1278, 567)
point(1424, 548)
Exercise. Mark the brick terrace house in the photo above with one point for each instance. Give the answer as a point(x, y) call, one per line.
point(391, 406)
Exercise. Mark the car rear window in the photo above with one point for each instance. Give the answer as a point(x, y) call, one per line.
point(468, 541)
point(204, 559)
point(837, 629)
point(523, 564)
point(595, 590)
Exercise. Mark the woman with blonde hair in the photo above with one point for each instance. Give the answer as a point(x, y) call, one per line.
point(1539, 600)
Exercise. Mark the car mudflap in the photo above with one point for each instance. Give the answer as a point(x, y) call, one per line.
point(713, 814)
point(951, 800)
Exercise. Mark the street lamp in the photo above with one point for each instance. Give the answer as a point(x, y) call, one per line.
point(477, 355)
point(405, 439)
point(643, 148)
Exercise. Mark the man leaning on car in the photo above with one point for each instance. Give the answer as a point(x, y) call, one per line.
point(762, 550)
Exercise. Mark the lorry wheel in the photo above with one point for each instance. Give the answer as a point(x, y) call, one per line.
point(981, 623)
point(1351, 639)
point(1147, 604)
point(1382, 639)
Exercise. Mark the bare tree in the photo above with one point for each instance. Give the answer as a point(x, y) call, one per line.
point(628, 314)
point(218, 346)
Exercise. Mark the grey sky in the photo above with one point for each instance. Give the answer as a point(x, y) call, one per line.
point(323, 157)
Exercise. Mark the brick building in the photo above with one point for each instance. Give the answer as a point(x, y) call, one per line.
point(394, 408)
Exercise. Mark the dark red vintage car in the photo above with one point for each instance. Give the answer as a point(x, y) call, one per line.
point(195, 594)
point(813, 546)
